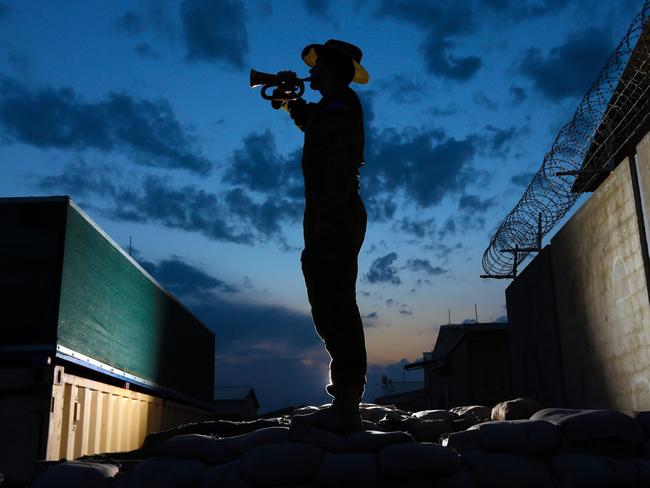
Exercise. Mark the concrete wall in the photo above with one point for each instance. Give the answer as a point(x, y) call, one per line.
point(595, 280)
point(534, 343)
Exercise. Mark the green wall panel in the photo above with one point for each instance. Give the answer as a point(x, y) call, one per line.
point(113, 312)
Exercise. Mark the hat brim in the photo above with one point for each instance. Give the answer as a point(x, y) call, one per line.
point(361, 76)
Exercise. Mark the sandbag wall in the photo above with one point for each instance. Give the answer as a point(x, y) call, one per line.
point(555, 447)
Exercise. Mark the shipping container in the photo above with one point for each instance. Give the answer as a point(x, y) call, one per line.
point(94, 352)
point(47, 413)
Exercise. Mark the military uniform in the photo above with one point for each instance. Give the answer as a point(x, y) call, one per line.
point(334, 228)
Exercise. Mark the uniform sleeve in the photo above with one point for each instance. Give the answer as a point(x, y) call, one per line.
point(340, 170)
point(300, 112)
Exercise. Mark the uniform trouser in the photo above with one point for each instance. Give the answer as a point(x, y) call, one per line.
point(330, 271)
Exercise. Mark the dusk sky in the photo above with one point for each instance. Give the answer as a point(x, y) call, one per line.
point(141, 112)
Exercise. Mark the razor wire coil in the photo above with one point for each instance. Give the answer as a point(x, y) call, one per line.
point(610, 113)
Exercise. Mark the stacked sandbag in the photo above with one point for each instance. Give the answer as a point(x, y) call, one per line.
point(555, 447)
point(517, 409)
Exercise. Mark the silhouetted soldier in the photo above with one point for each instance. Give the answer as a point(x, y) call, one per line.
point(334, 223)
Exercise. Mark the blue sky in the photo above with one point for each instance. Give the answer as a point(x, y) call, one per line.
point(142, 113)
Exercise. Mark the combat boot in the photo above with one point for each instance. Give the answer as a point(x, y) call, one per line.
point(342, 417)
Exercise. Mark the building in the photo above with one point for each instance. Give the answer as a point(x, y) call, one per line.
point(235, 403)
point(405, 395)
point(469, 365)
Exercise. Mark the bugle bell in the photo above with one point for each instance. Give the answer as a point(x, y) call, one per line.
point(286, 84)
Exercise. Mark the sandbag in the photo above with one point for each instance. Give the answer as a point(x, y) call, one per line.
point(302, 432)
point(463, 441)
point(461, 479)
point(643, 418)
point(164, 472)
point(356, 469)
point(507, 470)
point(238, 445)
point(519, 436)
point(373, 413)
point(584, 471)
point(371, 441)
point(287, 463)
point(207, 449)
point(476, 413)
point(73, 474)
point(406, 483)
point(642, 466)
point(429, 430)
point(435, 415)
point(516, 409)
point(223, 476)
point(415, 460)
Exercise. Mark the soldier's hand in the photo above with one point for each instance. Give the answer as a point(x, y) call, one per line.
point(276, 104)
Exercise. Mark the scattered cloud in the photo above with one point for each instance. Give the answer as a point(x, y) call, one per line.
point(215, 31)
point(382, 270)
point(522, 179)
point(424, 265)
point(230, 216)
point(320, 9)
point(426, 165)
point(130, 23)
point(518, 95)
point(183, 279)
point(257, 166)
point(569, 69)
point(481, 100)
point(474, 203)
point(414, 227)
point(402, 88)
point(501, 319)
point(145, 51)
point(147, 130)
point(442, 23)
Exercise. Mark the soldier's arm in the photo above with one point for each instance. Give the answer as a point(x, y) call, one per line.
point(300, 112)
point(341, 165)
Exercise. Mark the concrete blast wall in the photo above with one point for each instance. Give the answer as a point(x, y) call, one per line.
point(580, 311)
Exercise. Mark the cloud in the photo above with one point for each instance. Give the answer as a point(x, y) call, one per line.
point(145, 51)
point(231, 216)
point(147, 130)
point(319, 8)
point(184, 279)
point(4, 10)
point(498, 142)
point(442, 22)
point(474, 203)
point(469, 321)
point(257, 166)
point(382, 271)
point(439, 60)
point(425, 165)
point(482, 100)
point(418, 264)
point(569, 69)
point(215, 31)
point(522, 179)
point(416, 228)
point(518, 95)
point(501, 319)
point(470, 216)
point(130, 23)
point(403, 89)
point(517, 10)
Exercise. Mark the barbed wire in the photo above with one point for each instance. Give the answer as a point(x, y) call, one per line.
point(614, 108)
